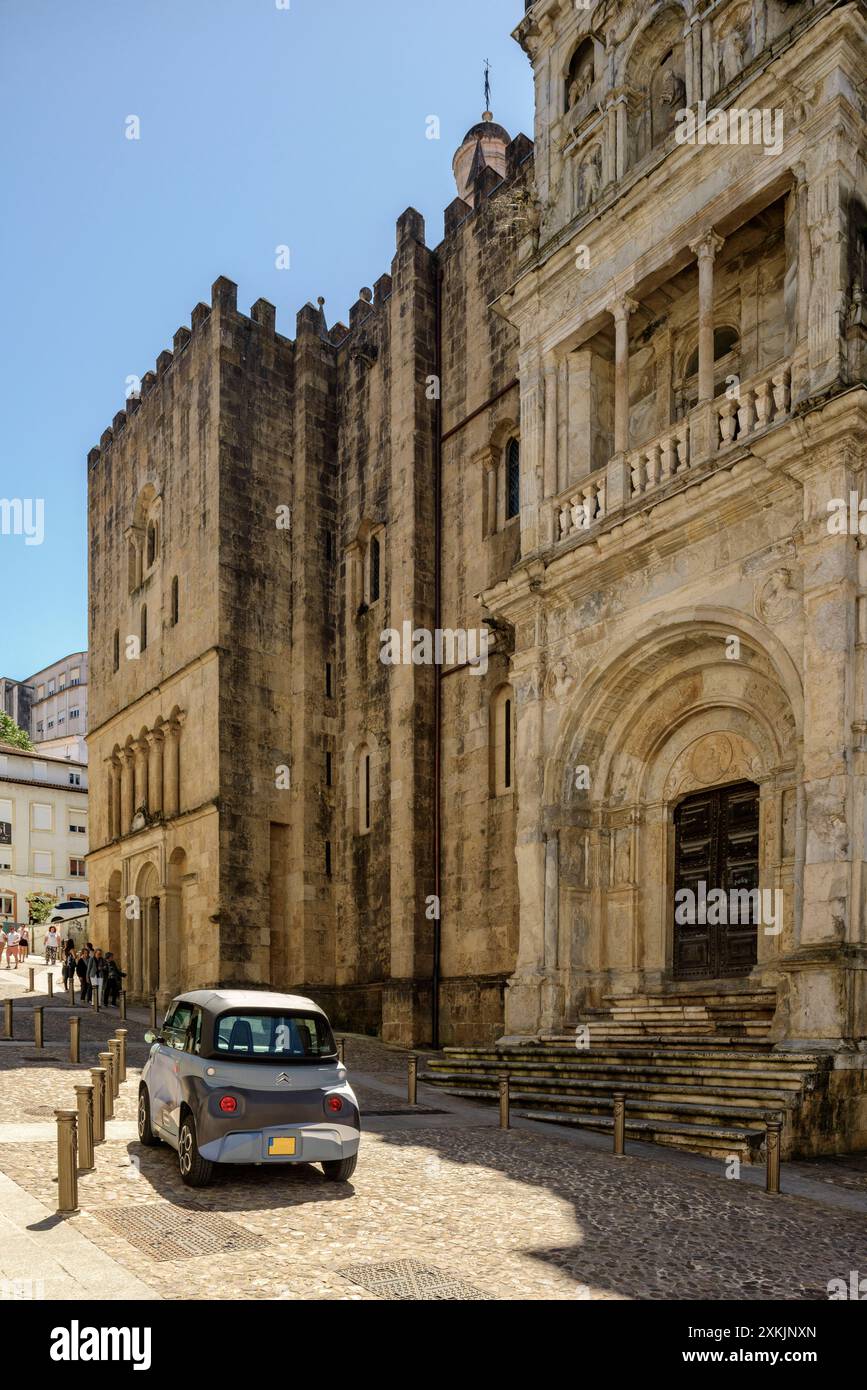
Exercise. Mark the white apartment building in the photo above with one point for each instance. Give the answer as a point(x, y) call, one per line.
point(43, 829)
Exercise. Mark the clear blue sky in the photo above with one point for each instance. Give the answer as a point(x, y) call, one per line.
point(259, 127)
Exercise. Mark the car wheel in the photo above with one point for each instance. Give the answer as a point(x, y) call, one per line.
point(195, 1170)
point(145, 1133)
point(340, 1170)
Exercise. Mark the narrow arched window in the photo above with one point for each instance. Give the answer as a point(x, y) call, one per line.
point(175, 602)
point(151, 543)
point(502, 742)
point(144, 626)
point(363, 790)
point(375, 565)
point(513, 479)
point(116, 650)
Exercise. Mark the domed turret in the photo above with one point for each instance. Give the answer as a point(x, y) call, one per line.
point(483, 145)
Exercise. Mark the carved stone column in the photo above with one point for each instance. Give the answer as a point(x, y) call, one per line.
point(141, 774)
point(620, 310)
point(705, 249)
point(127, 789)
point(532, 446)
point(155, 740)
point(549, 468)
point(171, 768)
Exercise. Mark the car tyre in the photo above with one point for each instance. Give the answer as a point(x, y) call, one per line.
point(146, 1135)
point(340, 1170)
point(195, 1171)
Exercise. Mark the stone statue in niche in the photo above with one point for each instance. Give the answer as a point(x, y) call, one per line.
point(561, 681)
point(580, 86)
point(672, 92)
point(589, 179)
point(733, 55)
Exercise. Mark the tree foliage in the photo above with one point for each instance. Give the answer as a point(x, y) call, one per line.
point(10, 733)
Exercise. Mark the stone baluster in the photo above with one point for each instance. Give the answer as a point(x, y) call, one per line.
point(565, 519)
point(682, 438)
point(637, 472)
point(746, 412)
point(763, 405)
point(653, 466)
point(727, 421)
point(781, 392)
point(667, 464)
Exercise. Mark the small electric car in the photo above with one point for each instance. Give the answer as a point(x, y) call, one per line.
point(239, 1076)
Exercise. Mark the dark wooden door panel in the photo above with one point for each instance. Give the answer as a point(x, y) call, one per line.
point(717, 845)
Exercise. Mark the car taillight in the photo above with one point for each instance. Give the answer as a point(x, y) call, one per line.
point(228, 1105)
point(334, 1104)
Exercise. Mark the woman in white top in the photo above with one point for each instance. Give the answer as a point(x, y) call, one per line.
point(12, 940)
point(52, 941)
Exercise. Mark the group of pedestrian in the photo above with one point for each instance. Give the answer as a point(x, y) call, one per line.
point(17, 945)
point(97, 973)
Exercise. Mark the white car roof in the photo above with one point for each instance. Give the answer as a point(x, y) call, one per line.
point(216, 1000)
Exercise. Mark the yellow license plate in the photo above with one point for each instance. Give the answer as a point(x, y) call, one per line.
point(281, 1147)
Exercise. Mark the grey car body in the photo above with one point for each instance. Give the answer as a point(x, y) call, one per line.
point(273, 1098)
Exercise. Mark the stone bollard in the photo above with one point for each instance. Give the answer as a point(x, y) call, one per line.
point(8, 1019)
point(38, 1025)
point(412, 1079)
point(505, 1102)
point(153, 1013)
point(123, 1004)
point(114, 1049)
point(75, 1040)
point(85, 1128)
point(31, 972)
point(67, 1177)
point(120, 1034)
point(94, 998)
point(619, 1124)
point(50, 983)
point(773, 1138)
point(97, 1076)
point(70, 985)
point(341, 1050)
point(105, 1059)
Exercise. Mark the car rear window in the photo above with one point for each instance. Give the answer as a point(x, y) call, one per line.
point(287, 1037)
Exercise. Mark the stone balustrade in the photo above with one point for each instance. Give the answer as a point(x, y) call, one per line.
point(580, 506)
point(759, 403)
point(656, 463)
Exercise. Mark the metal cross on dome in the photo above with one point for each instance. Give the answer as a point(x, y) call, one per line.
point(487, 85)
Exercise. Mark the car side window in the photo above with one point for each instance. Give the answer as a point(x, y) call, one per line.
point(194, 1032)
point(176, 1025)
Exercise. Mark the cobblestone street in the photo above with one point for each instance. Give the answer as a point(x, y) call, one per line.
point(443, 1205)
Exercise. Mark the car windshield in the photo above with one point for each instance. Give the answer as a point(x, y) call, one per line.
point(292, 1037)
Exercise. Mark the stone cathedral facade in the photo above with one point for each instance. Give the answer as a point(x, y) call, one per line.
point(606, 420)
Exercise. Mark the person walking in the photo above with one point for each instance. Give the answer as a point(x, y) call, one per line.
point(96, 974)
point(52, 941)
point(114, 979)
point(12, 944)
point(24, 944)
point(81, 971)
point(69, 963)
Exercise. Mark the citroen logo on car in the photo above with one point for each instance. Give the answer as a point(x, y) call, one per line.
point(284, 1079)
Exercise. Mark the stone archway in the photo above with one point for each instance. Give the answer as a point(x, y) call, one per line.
point(144, 933)
point(175, 962)
point(667, 715)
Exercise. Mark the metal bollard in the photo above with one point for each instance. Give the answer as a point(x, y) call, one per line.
point(412, 1080)
point(619, 1124)
point(120, 1034)
point(38, 1026)
point(50, 983)
point(773, 1136)
point(97, 1076)
point(75, 1040)
point(31, 971)
point(341, 1050)
point(123, 1003)
point(67, 1144)
point(85, 1127)
point(107, 1064)
point(94, 998)
point(505, 1102)
point(70, 985)
point(153, 1013)
point(8, 1020)
point(114, 1049)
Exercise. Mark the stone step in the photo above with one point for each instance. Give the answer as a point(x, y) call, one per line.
point(656, 1082)
point(662, 1112)
point(688, 1055)
point(712, 1141)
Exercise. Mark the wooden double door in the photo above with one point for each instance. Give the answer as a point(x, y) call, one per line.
point(716, 846)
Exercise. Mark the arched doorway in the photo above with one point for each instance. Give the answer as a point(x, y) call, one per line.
point(115, 940)
point(175, 943)
point(145, 934)
point(716, 878)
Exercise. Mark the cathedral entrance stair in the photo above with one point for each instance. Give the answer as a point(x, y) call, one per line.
point(692, 1079)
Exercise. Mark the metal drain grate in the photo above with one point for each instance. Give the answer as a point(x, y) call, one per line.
point(410, 1279)
point(166, 1232)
